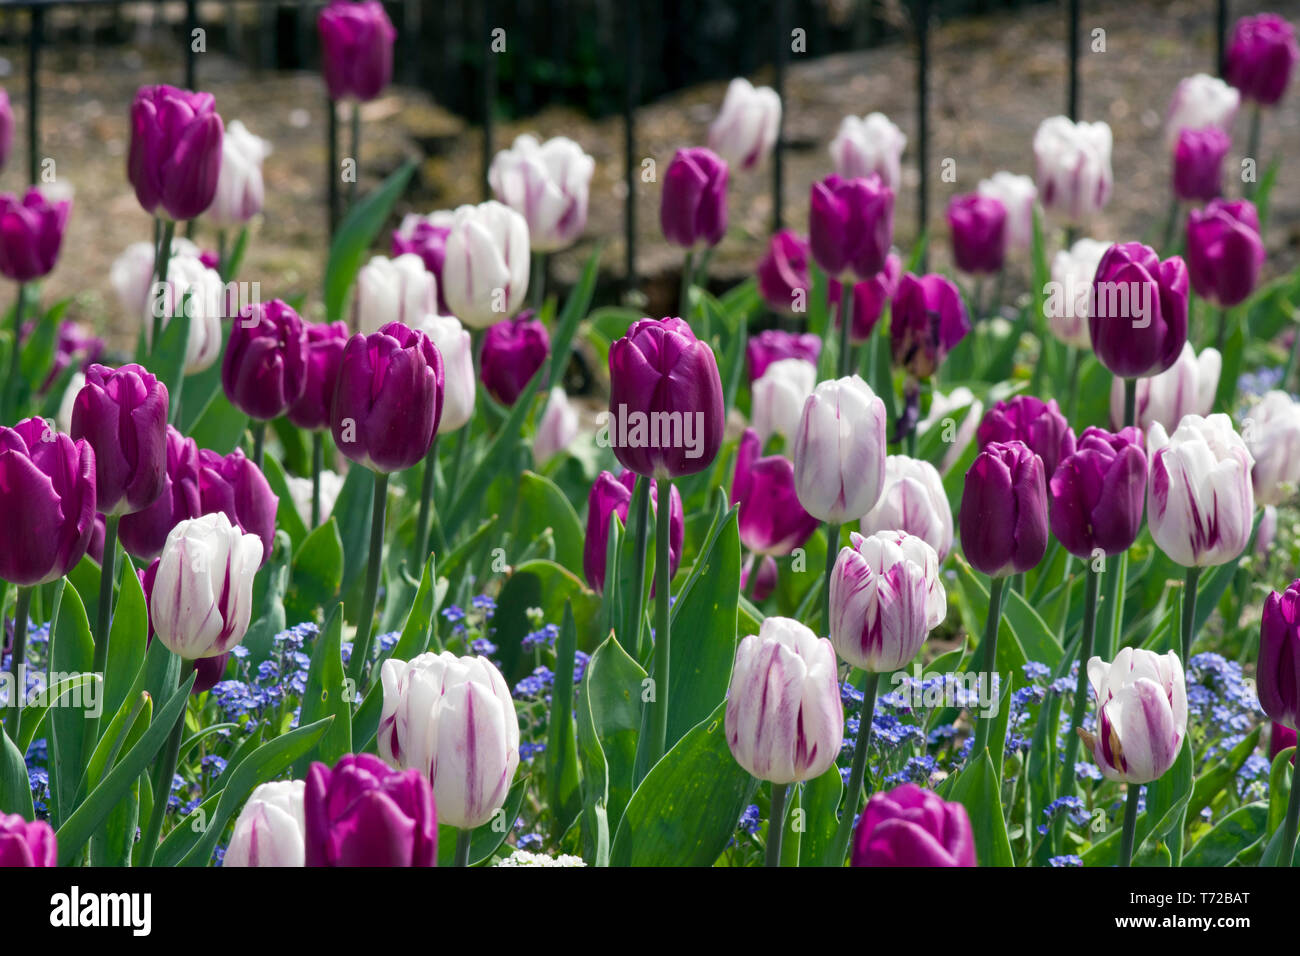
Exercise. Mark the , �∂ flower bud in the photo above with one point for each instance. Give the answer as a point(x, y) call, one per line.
point(839, 451)
point(783, 280)
point(547, 183)
point(143, 533)
point(325, 342)
point(122, 413)
point(1098, 492)
point(1069, 302)
point(978, 225)
point(869, 145)
point(777, 397)
point(909, 826)
point(693, 204)
point(1038, 424)
point(234, 485)
point(1198, 163)
point(175, 156)
point(270, 830)
point(1187, 387)
point(264, 371)
point(361, 812)
point(1278, 672)
point(512, 353)
point(1200, 101)
point(1003, 515)
point(393, 290)
point(240, 190)
point(746, 127)
point(455, 346)
point(1018, 195)
point(613, 495)
point(485, 270)
point(926, 321)
point(771, 519)
point(31, 232)
point(356, 42)
point(1074, 175)
point(850, 226)
point(1224, 251)
point(1260, 56)
point(1271, 432)
point(772, 345)
point(1141, 714)
point(1137, 320)
point(26, 844)
point(914, 501)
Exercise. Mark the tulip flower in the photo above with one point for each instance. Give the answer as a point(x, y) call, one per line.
point(1070, 298)
point(122, 414)
point(393, 290)
point(356, 49)
point(485, 271)
point(426, 237)
point(557, 428)
point(778, 398)
point(24, 843)
point(1198, 163)
point(363, 813)
point(850, 226)
point(870, 145)
point(31, 232)
point(315, 505)
point(747, 126)
point(772, 522)
point(909, 826)
point(839, 451)
point(1272, 436)
point(1187, 387)
point(1141, 714)
point(1074, 175)
point(693, 205)
point(512, 353)
point(927, 319)
point(264, 371)
point(1018, 195)
point(1004, 510)
point(1260, 57)
point(772, 345)
point(143, 533)
point(1200, 101)
point(613, 495)
point(271, 829)
point(208, 671)
point(1278, 673)
point(978, 224)
point(913, 500)
point(1038, 424)
point(764, 577)
point(459, 389)
point(1138, 316)
point(240, 190)
point(1280, 738)
point(235, 486)
point(1097, 493)
point(76, 346)
point(6, 128)
point(548, 184)
point(175, 154)
point(325, 342)
point(1224, 251)
point(867, 304)
point(192, 286)
point(453, 719)
point(783, 279)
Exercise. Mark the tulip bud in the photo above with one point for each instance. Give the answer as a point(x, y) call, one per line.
point(364, 813)
point(867, 146)
point(869, 298)
point(771, 519)
point(325, 342)
point(512, 353)
point(1004, 510)
point(850, 226)
point(765, 577)
point(548, 184)
point(175, 155)
point(1138, 316)
point(264, 371)
point(393, 290)
point(122, 413)
point(1070, 299)
point(908, 826)
point(1141, 714)
point(1074, 174)
point(557, 429)
point(31, 231)
point(693, 204)
point(1038, 424)
point(239, 184)
point(144, 532)
point(453, 719)
point(783, 280)
point(773, 345)
point(609, 496)
point(1200, 101)
point(1018, 194)
point(914, 501)
point(356, 42)
point(1272, 435)
point(839, 450)
point(1278, 672)
point(778, 398)
point(485, 272)
point(192, 288)
point(1200, 504)
point(236, 487)
point(6, 128)
point(978, 224)
point(746, 127)
point(1097, 493)
point(1198, 163)
point(76, 345)
point(1224, 251)
point(1187, 387)
point(26, 844)
point(300, 489)
point(457, 351)
point(426, 237)
point(269, 831)
point(1260, 56)
point(926, 321)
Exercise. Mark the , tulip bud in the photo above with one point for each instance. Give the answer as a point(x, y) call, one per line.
point(236, 487)
point(1070, 298)
point(47, 502)
point(31, 231)
point(389, 398)
point(771, 519)
point(850, 226)
point(773, 345)
point(1200, 503)
point(1018, 194)
point(548, 184)
point(364, 813)
point(557, 428)
point(926, 321)
point(746, 127)
point(1260, 56)
point(609, 496)
point(144, 532)
point(1141, 714)
point(6, 128)
point(978, 224)
point(693, 204)
point(198, 289)
point(665, 400)
point(885, 598)
point(393, 290)
point(779, 396)
point(1224, 251)
point(784, 719)
point(453, 719)
point(1200, 101)
point(908, 826)
point(839, 451)
point(122, 413)
point(459, 389)
point(175, 156)
point(1074, 175)
point(300, 489)
point(870, 145)
point(869, 298)
point(1097, 493)
point(426, 237)
point(26, 844)
point(485, 272)
point(1138, 316)
point(1198, 163)
point(765, 578)
point(1003, 513)
point(239, 184)
point(325, 342)
point(512, 353)
point(270, 830)
point(1187, 387)
point(356, 41)
point(914, 501)
point(1278, 672)
point(1038, 424)
point(783, 280)
point(202, 595)
point(264, 371)
point(1272, 435)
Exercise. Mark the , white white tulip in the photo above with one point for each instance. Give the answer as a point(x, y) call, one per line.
point(1200, 101)
point(393, 290)
point(132, 273)
point(557, 428)
point(202, 595)
point(778, 396)
point(913, 501)
point(1018, 195)
point(331, 483)
point(453, 719)
point(1185, 388)
point(1141, 714)
point(1200, 503)
point(1070, 298)
point(871, 144)
point(485, 274)
point(746, 127)
point(961, 401)
point(839, 451)
point(203, 294)
point(240, 190)
point(459, 387)
point(1271, 431)
point(1074, 174)
point(548, 184)
point(271, 829)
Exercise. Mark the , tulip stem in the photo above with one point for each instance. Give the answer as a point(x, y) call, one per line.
point(162, 784)
point(1171, 225)
point(641, 501)
point(1291, 824)
point(259, 443)
point(663, 637)
point(1130, 825)
point(104, 614)
point(1252, 150)
point(988, 657)
point(688, 275)
point(22, 605)
point(1074, 361)
point(776, 826)
point(426, 499)
point(1189, 612)
point(462, 847)
point(361, 642)
point(1092, 581)
point(161, 266)
point(846, 318)
point(1130, 402)
point(15, 357)
point(857, 774)
point(356, 154)
point(1221, 336)
point(1112, 603)
point(317, 466)
point(832, 552)
point(537, 279)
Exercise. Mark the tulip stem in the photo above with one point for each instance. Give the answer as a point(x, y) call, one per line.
point(537, 279)
point(858, 772)
point(259, 443)
point(462, 847)
point(832, 552)
point(1222, 335)
point(162, 784)
point(1112, 603)
point(1092, 581)
point(688, 274)
point(776, 826)
point(356, 154)
point(104, 614)
point(1291, 824)
point(361, 642)
point(15, 356)
point(1130, 402)
point(1074, 361)
point(161, 266)
point(14, 718)
point(663, 642)
point(1130, 825)
point(1189, 612)
point(641, 500)
point(1171, 226)
point(426, 499)
point(846, 318)
point(317, 466)
point(1252, 151)
point(988, 657)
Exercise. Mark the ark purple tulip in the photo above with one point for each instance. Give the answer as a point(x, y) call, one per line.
point(235, 486)
point(1224, 251)
point(909, 826)
point(175, 155)
point(1260, 57)
point(772, 521)
point(978, 225)
point(693, 206)
point(1138, 316)
point(1038, 424)
point(772, 345)
point(1098, 493)
point(122, 413)
point(926, 321)
point(26, 844)
point(850, 226)
point(1003, 515)
point(783, 273)
point(31, 231)
point(325, 342)
point(144, 532)
point(356, 49)
point(1278, 672)
point(427, 239)
point(264, 370)
point(1281, 737)
point(613, 495)
point(364, 813)
point(512, 353)
point(869, 298)
point(1198, 163)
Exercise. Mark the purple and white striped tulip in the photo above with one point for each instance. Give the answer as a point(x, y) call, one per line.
point(1074, 172)
point(393, 290)
point(485, 269)
point(869, 145)
point(1018, 194)
point(913, 501)
point(1200, 101)
point(1141, 714)
point(1272, 434)
point(778, 397)
point(270, 830)
point(839, 450)
point(746, 127)
point(1187, 387)
point(546, 183)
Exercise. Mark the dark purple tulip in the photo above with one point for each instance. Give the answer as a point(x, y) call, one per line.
point(234, 485)
point(771, 519)
point(427, 240)
point(264, 370)
point(869, 298)
point(325, 342)
point(26, 844)
point(1004, 510)
point(513, 351)
point(47, 502)
point(1138, 314)
point(175, 155)
point(122, 413)
point(1038, 424)
point(144, 533)
point(1198, 163)
point(96, 547)
point(850, 225)
point(927, 319)
point(1260, 57)
point(1280, 737)
point(978, 225)
point(75, 346)
point(364, 813)
point(1278, 672)
point(356, 42)
point(909, 826)
point(1098, 493)
point(208, 671)
point(773, 345)
point(610, 495)
point(31, 231)
point(389, 398)
point(783, 273)
point(765, 577)
point(6, 128)
point(693, 206)
point(1224, 251)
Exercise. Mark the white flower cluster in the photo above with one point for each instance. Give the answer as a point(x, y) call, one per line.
point(524, 858)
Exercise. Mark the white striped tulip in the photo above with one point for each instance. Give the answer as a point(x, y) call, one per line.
point(485, 273)
point(1271, 431)
point(393, 290)
point(839, 451)
point(270, 829)
point(1185, 388)
point(913, 501)
point(1141, 714)
point(548, 184)
point(746, 127)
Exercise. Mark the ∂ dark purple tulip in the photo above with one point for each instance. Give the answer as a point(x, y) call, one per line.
point(513, 351)
point(175, 155)
point(665, 378)
point(1004, 510)
point(869, 298)
point(427, 240)
point(978, 225)
point(122, 413)
point(909, 826)
point(612, 495)
point(1260, 56)
point(144, 532)
point(208, 671)
point(926, 320)
point(1277, 675)
point(264, 370)
point(356, 42)
point(1038, 424)
point(6, 128)
point(389, 398)
point(1281, 737)
point(850, 225)
point(693, 205)
point(31, 231)
point(772, 521)
point(325, 342)
point(235, 486)
point(1138, 315)
point(362, 812)
point(1098, 493)
point(772, 345)
point(24, 843)
point(783, 280)
point(1198, 163)
point(47, 502)
point(765, 577)
point(1224, 251)
point(75, 345)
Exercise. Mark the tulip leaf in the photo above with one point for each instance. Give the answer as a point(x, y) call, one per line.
point(197, 394)
point(35, 716)
point(287, 517)
point(326, 696)
point(976, 788)
point(317, 570)
point(356, 234)
point(821, 799)
point(1231, 837)
point(1213, 781)
point(611, 604)
point(1279, 787)
point(542, 505)
point(575, 309)
point(487, 839)
point(167, 359)
point(113, 842)
point(1167, 797)
point(542, 584)
point(39, 346)
point(562, 772)
point(352, 508)
point(1036, 638)
point(15, 787)
point(269, 619)
point(128, 638)
point(72, 651)
point(609, 721)
point(219, 425)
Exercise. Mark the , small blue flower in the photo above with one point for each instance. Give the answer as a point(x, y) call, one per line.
point(527, 751)
point(485, 604)
point(483, 647)
point(750, 819)
point(1069, 859)
point(1036, 671)
point(527, 840)
point(453, 613)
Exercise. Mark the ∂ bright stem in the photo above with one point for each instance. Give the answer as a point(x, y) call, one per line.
point(104, 614)
point(1092, 582)
point(162, 784)
point(658, 742)
point(365, 621)
point(858, 772)
point(776, 826)
point(988, 651)
point(22, 606)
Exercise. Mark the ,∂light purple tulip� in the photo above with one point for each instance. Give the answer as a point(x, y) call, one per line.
point(356, 49)
point(325, 342)
point(1198, 163)
point(771, 519)
point(1141, 714)
point(1137, 318)
point(24, 843)
point(693, 205)
point(783, 280)
point(264, 370)
point(1261, 54)
point(31, 232)
point(548, 184)
point(1278, 672)
point(143, 533)
point(1098, 493)
point(175, 157)
point(839, 450)
point(234, 485)
point(612, 495)
point(270, 830)
point(909, 826)
point(772, 345)
point(361, 812)
point(926, 321)
point(850, 226)
point(122, 413)
point(1038, 424)
point(1003, 515)
point(1224, 251)
point(1019, 196)
point(914, 501)
point(512, 353)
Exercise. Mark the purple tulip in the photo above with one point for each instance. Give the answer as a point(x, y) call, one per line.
point(665, 400)
point(389, 398)
point(772, 345)
point(850, 226)
point(236, 487)
point(1138, 315)
point(325, 342)
point(364, 813)
point(869, 298)
point(771, 519)
point(175, 156)
point(978, 225)
point(1224, 251)
point(26, 844)
point(1260, 57)
point(909, 826)
point(75, 346)
point(144, 532)
point(765, 577)
point(356, 42)
point(783, 273)
point(610, 495)
point(927, 319)
point(122, 413)
point(1098, 493)
point(1198, 163)
point(1280, 737)
point(512, 353)
point(1003, 516)
point(6, 127)
point(426, 237)
point(693, 206)
point(31, 231)
point(265, 367)
point(1038, 424)
point(1278, 672)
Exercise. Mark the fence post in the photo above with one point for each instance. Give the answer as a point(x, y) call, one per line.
point(1072, 104)
point(191, 58)
point(489, 94)
point(782, 54)
point(1221, 35)
point(922, 124)
point(34, 38)
point(631, 93)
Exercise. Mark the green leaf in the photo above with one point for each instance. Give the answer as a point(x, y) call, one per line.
point(542, 584)
point(72, 651)
point(317, 571)
point(355, 235)
point(326, 696)
point(220, 426)
point(821, 799)
point(1222, 775)
point(35, 715)
point(1232, 836)
point(352, 508)
point(287, 517)
point(15, 791)
point(542, 505)
point(494, 460)
point(269, 619)
point(976, 788)
point(128, 638)
point(575, 307)
point(562, 771)
point(609, 711)
point(167, 359)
